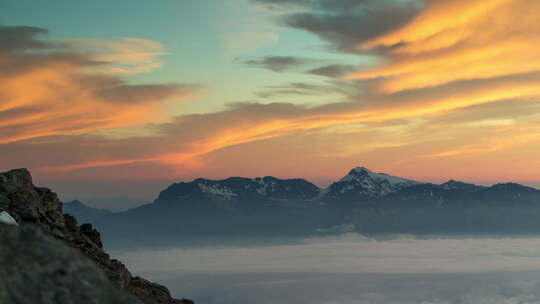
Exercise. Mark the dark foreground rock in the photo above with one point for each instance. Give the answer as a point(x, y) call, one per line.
point(41, 207)
point(34, 268)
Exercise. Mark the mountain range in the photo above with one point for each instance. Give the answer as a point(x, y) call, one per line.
point(363, 201)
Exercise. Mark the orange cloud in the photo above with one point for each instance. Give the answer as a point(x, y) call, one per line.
point(244, 124)
point(124, 56)
point(424, 107)
point(94, 164)
point(454, 56)
point(55, 92)
point(459, 40)
point(437, 17)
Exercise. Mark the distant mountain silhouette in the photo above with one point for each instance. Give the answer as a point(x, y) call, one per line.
point(363, 201)
point(84, 213)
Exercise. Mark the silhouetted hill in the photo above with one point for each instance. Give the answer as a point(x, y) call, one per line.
point(84, 213)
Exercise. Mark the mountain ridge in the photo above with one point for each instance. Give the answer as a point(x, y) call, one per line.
point(360, 179)
point(363, 201)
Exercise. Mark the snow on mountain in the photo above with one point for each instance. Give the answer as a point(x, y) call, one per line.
point(364, 182)
point(359, 183)
point(358, 174)
point(216, 190)
point(265, 185)
point(238, 188)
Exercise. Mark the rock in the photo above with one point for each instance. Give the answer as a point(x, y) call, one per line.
point(91, 233)
point(34, 268)
point(28, 204)
point(148, 291)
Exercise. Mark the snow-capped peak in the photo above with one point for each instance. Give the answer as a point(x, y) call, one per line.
point(362, 172)
point(364, 182)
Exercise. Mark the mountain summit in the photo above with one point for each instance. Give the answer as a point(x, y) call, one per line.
point(362, 183)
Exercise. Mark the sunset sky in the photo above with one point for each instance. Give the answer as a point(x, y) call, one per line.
point(159, 91)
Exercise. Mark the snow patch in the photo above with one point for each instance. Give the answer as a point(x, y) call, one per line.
point(217, 190)
point(347, 188)
point(6, 218)
point(265, 186)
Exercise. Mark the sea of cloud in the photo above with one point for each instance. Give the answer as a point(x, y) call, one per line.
point(351, 269)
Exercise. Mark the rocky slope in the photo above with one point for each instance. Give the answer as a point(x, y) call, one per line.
point(35, 268)
point(28, 204)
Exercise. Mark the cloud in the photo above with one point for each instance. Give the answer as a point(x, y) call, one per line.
point(307, 89)
point(125, 56)
point(333, 70)
point(186, 139)
point(278, 63)
point(13, 39)
point(48, 89)
point(317, 67)
point(447, 97)
point(353, 253)
point(183, 142)
point(346, 23)
point(175, 144)
point(351, 269)
point(489, 39)
point(361, 288)
point(133, 94)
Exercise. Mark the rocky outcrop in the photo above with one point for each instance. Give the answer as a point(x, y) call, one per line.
point(40, 206)
point(35, 268)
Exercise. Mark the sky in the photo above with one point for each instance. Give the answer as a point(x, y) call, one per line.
point(141, 92)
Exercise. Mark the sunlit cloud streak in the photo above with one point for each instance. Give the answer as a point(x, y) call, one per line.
point(125, 56)
point(420, 102)
point(48, 90)
point(487, 39)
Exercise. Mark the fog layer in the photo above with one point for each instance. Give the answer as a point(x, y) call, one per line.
point(352, 269)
